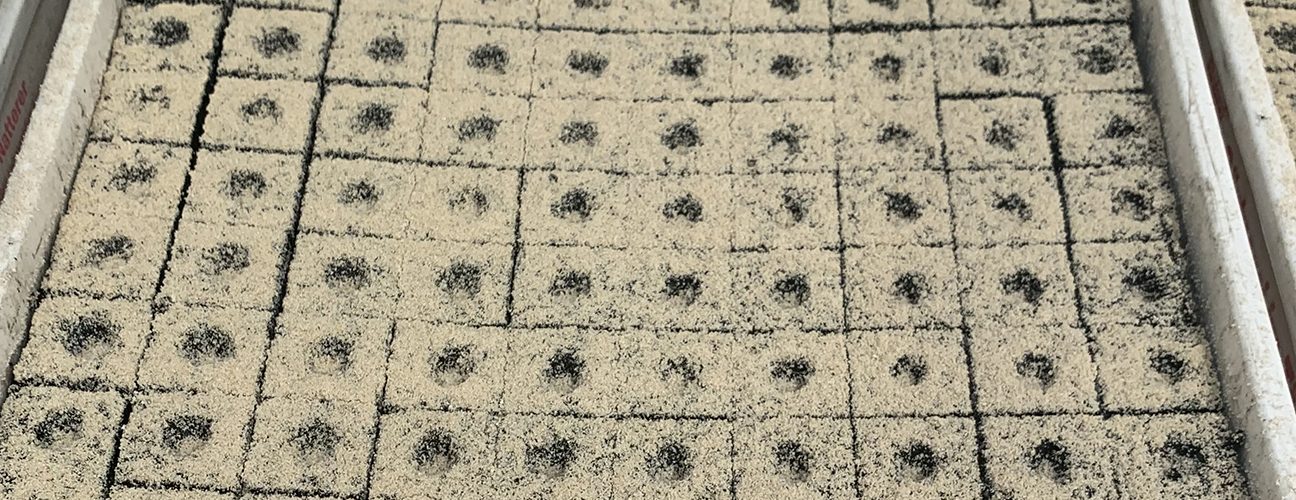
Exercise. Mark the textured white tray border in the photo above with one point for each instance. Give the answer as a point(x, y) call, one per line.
point(1237, 320)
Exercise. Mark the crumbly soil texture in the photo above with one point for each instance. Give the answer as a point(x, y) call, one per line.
point(595, 249)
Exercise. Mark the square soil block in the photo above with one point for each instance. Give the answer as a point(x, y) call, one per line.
point(1120, 204)
point(1133, 283)
point(1180, 456)
point(678, 289)
point(793, 458)
point(1113, 129)
point(783, 136)
point(468, 129)
point(261, 114)
point(275, 43)
point(118, 256)
point(1275, 30)
point(909, 372)
point(680, 212)
point(338, 358)
point(378, 122)
point(310, 446)
point(563, 371)
point(226, 266)
point(125, 493)
point(455, 282)
point(673, 459)
point(887, 65)
point(476, 59)
point(1006, 132)
point(917, 458)
point(1069, 456)
point(130, 179)
point(182, 440)
point(905, 286)
point(870, 14)
point(422, 454)
point(592, 65)
point(579, 134)
point(1066, 10)
point(155, 107)
point(90, 344)
point(57, 443)
point(381, 49)
point(783, 65)
point(989, 60)
point(888, 135)
point(464, 204)
point(799, 374)
point(779, 15)
point(680, 137)
point(344, 275)
point(206, 350)
point(570, 286)
point(578, 208)
point(556, 458)
point(895, 208)
point(518, 13)
point(1032, 370)
point(447, 367)
point(684, 374)
point(166, 37)
point(789, 289)
point(1012, 286)
point(784, 211)
point(981, 13)
point(683, 66)
point(1156, 369)
point(358, 197)
point(248, 189)
point(1006, 207)
point(1090, 58)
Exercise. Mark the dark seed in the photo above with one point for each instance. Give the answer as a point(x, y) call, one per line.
point(470, 199)
point(317, 439)
point(570, 284)
point(919, 461)
point(1283, 36)
point(1002, 136)
point(225, 257)
point(672, 462)
point(589, 63)
point(374, 117)
point(489, 57)
point(1024, 282)
point(277, 41)
point(902, 205)
point(1147, 282)
point(144, 97)
point(386, 49)
point(1138, 205)
point(59, 427)
point(89, 334)
point(793, 290)
point(1183, 459)
point(436, 452)
point(683, 288)
point(359, 192)
point(591, 4)
point(988, 4)
point(575, 205)
point(585, 132)
point(789, 137)
point(552, 459)
point(244, 183)
point(353, 272)
point(1119, 128)
point(461, 279)
point(113, 247)
point(1014, 204)
point(994, 64)
point(682, 135)
point(682, 369)
point(186, 433)
point(888, 4)
point(453, 365)
point(792, 460)
point(1038, 367)
point(204, 343)
point(477, 128)
point(690, 66)
point(685, 207)
point(894, 133)
point(1097, 60)
point(888, 67)
point(792, 374)
point(911, 367)
point(788, 6)
point(130, 174)
point(796, 204)
point(1169, 365)
point(262, 107)
point(566, 369)
point(331, 355)
point(787, 67)
point(1052, 459)
point(911, 286)
point(169, 31)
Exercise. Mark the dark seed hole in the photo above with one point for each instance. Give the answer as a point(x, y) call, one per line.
point(1137, 204)
point(1169, 365)
point(1097, 60)
point(225, 257)
point(584, 132)
point(374, 117)
point(1118, 128)
point(1014, 204)
point(918, 461)
point(1038, 367)
point(262, 107)
point(888, 4)
point(787, 67)
point(552, 459)
point(185, 434)
point(331, 355)
point(589, 63)
point(386, 49)
point(683, 288)
point(570, 284)
point(315, 441)
point(894, 134)
point(130, 174)
point(1052, 459)
point(994, 64)
point(91, 334)
point(793, 290)
point(789, 137)
point(352, 272)
point(591, 4)
point(796, 204)
point(685, 207)
point(671, 462)
point(1183, 459)
point(791, 374)
point(792, 461)
point(1149, 283)
point(204, 343)
point(988, 4)
point(144, 97)
point(113, 247)
point(1024, 282)
point(277, 41)
point(565, 370)
point(911, 367)
point(169, 31)
point(888, 67)
point(788, 6)
point(690, 66)
point(461, 279)
point(436, 452)
point(489, 57)
point(471, 200)
point(902, 205)
point(1002, 136)
point(575, 205)
point(481, 127)
point(59, 427)
point(453, 365)
point(682, 370)
point(360, 192)
point(682, 135)
point(911, 286)
point(244, 183)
